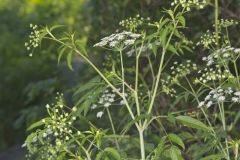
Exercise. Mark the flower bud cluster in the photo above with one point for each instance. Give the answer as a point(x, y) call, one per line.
point(34, 38)
point(207, 40)
point(132, 24)
point(188, 4)
point(212, 75)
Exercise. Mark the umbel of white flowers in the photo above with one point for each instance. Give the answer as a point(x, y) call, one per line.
point(118, 41)
point(220, 95)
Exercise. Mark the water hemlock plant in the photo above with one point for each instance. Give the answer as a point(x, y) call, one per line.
point(142, 93)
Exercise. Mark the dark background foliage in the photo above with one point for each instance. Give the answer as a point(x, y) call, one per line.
point(28, 83)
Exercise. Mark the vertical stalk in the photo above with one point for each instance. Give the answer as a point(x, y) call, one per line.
point(113, 128)
point(216, 8)
point(142, 144)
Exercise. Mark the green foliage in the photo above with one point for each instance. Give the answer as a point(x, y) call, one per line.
point(147, 101)
point(135, 91)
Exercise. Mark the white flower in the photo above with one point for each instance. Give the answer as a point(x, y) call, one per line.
point(209, 104)
point(201, 104)
point(129, 42)
point(74, 109)
point(111, 100)
point(225, 55)
point(237, 93)
point(221, 98)
point(93, 106)
point(100, 114)
point(47, 106)
point(208, 97)
point(237, 50)
point(118, 40)
point(235, 99)
point(24, 145)
point(113, 44)
point(67, 138)
point(122, 102)
point(107, 104)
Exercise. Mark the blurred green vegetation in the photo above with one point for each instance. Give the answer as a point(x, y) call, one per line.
point(28, 83)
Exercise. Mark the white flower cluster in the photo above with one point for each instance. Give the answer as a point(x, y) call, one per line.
point(207, 40)
point(181, 70)
point(220, 95)
point(118, 41)
point(212, 74)
point(107, 99)
point(227, 22)
point(145, 48)
point(224, 54)
point(34, 38)
point(188, 4)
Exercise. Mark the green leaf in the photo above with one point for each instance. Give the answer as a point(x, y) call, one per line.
point(99, 156)
point(193, 123)
point(113, 153)
point(81, 47)
point(162, 22)
point(60, 54)
point(39, 123)
point(163, 37)
point(175, 153)
point(213, 157)
point(29, 141)
point(160, 147)
point(182, 20)
point(55, 27)
point(69, 60)
point(172, 49)
point(154, 49)
point(176, 139)
point(92, 83)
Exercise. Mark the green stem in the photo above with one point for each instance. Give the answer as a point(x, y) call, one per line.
point(236, 71)
point(216, 23)
point(160, 70)
point(113, 128)
point(136, 81)
point(142, 144)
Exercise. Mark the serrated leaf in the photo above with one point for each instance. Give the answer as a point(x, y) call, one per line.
point(92, 83)
point(176, 139)
point(193, 123)
point(160, 147)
